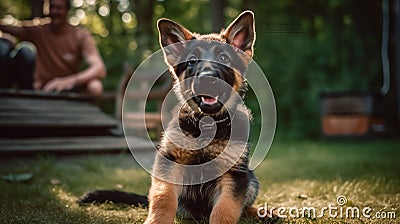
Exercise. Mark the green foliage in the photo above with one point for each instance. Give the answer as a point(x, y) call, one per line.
point(17, 8)
point(304, 47)
point(308, 48)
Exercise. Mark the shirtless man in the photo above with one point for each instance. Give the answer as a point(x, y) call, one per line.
point(61, 48)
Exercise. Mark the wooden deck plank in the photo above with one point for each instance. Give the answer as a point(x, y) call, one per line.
point(46, 103)
point(58, 113)
point(42, 110)
point(32, 123)
point(56, 120)
point(71, 144)
point(36, 94)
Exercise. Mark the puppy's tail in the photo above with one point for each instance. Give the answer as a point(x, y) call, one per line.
point(102, 196)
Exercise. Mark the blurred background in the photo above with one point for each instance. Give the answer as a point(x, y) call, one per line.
point(313, 52)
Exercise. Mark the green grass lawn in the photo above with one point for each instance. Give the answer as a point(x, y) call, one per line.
point(294, 175)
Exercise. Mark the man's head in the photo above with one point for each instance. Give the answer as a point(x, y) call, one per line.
point(59, 12)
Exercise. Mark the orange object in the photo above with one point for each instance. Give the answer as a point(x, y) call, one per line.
point(334, 125)
point(351, 114)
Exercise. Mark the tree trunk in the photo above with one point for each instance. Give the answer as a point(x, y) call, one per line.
point(217, 14)
point(37, 8)
point(144, 35)
point(144, 14)
point(396, 26)
point(249, 5)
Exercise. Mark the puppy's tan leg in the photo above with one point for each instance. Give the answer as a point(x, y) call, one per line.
point(228, 208)
point(250, 212)
point(163, 202)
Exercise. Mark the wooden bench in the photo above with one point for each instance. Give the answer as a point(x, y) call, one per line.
point(33, 121)
point(67, 122)
point(136, 102)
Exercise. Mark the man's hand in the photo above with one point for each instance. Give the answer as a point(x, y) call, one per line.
point(60, 84)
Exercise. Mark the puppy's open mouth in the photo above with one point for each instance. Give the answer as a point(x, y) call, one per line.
point(209, 95)
point(209, 100)
point(209, 104)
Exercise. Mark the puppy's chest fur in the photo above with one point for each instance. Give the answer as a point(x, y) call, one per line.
point(197, 201)
point(185, 130)
point(194, 157)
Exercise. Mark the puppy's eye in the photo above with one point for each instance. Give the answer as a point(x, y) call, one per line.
point(223, 58)
point(192, 60)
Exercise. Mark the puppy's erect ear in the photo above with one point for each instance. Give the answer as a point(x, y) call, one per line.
point(240, 33)
point(172, 37)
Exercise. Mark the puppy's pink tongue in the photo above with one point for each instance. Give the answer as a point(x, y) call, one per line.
point(209, 100)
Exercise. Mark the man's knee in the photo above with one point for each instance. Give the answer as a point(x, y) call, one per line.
point(94, 87)
point(25, 52)
point(18, 66)
point(5, 48)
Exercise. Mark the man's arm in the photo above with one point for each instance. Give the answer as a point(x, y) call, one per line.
point(95, 69)
point(17, 31)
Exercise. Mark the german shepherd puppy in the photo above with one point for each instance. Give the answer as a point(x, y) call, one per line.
point(198, 63)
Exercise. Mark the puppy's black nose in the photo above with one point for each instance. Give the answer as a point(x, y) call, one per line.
point(208, 77)
point(207, 83)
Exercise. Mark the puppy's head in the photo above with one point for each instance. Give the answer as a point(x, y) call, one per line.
point(208, 69)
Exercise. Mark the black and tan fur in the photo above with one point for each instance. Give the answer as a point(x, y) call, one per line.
point(221, 200)
point(225, 199)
